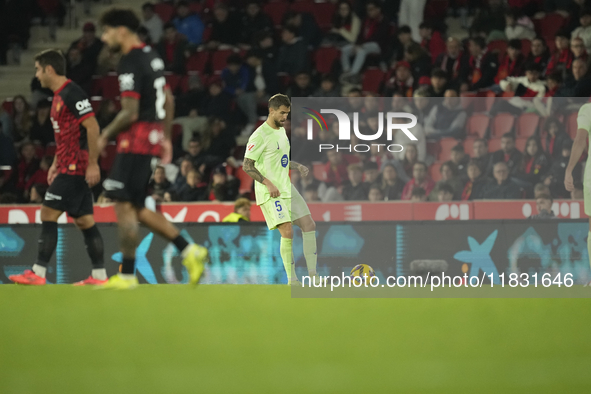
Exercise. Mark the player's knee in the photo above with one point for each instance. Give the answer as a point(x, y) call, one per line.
point(84, 222)
point(310, 226)
point(49, 215)
point(286, 230)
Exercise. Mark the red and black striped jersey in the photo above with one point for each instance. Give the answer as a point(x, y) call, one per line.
point(70, 107)
point(141, 76)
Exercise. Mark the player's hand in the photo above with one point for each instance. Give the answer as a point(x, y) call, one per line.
point(304, 171)
point(93, 174)
point(166, 153)
point(273, 191)
point(569, 184)
point(51, 174)
point(101, 143)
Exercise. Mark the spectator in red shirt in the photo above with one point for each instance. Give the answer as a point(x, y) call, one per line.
point(420, 178)
point(400, 79)
point(40, 176)
point(172, 49)
point(411, 157)
point(535, 163)
point(432, 40)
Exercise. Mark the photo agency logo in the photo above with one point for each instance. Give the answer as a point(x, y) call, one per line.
point(394, 121)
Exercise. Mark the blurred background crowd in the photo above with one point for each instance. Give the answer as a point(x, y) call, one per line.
point(495, 85)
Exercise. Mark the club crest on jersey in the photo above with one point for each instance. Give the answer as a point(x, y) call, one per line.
point(58, 105)
point(126, 82)
point(284, 161)
point(250, 147)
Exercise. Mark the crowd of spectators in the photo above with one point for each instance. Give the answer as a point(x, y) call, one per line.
point(384, 49)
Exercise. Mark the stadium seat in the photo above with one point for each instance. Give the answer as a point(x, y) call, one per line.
point(434, 171)
point(218, 60)
point(246, 181)
point(469, 145)
point(177, 133)
point(198, 62)
point(571, 125)
point(520, 143)
point(206, 33)
point(39, 151)
point(501, 124)
point(433, 148)
point(110, 86)
point(484, 101)
point(96, 101)
point(50, 149)
point(324, 58)
point(173, 81)
point(549, 25)
point(276, 10)
point(494, 144)
point(108, 156)
point(499, 46)
point(525, 46)
point(95, 85)
point(318, 171)
point(372, 80)
point(164, 10)
point(477, 125)
point(323, 13)
point(445, 147)
point(303, 6)
point(7, 105)
point(527, 124)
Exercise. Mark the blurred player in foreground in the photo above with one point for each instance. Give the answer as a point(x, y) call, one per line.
point(143, 131)
point(74, 170)
point(267, 161)
point(579, 145)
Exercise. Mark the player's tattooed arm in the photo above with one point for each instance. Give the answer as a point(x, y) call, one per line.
point(124, 119)
point(248, 167)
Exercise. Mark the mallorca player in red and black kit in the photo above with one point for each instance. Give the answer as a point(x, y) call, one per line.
point(143, 128)
point(74, 170)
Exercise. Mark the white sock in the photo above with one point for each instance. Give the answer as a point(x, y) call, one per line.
point(99, 273)
point(127, 276)
point(39, 270)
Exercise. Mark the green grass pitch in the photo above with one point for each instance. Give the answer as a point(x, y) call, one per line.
point(257, 339)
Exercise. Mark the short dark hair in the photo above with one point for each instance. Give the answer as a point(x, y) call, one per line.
point(148, 6)
point(292, 29)
point(426, 25)
point(54, 58)
point(438, 73)
point(515, 44)
point(508, 135)
point(479, 41)
point(404, 30)
point(481, 140)
point(169, 25)
point(278, 100)
point(564, 33)
point(458, 148)
point(546, 196)
point(533, 67)
point(445, 187)
point(182, 3)
point(452, 166)
point(422, 164)
point(117, 17)
point(370, 165)
point(311, 188)
point(555, 76)
point(234, 59)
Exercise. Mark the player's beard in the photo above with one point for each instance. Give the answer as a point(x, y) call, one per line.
point(278, 123)
point(115, 47)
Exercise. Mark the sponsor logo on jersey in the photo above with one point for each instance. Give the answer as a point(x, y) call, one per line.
point(55, 124)
point(154, 137)
point(126, 82)
point(50, 196)
point(157, 64)
point(250, 147)
point(83, 107)
point(284, 161)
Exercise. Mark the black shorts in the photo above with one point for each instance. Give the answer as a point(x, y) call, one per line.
point(129, 178)
point(71, 194)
